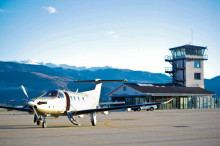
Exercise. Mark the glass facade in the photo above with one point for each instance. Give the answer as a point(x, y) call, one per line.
point(177, 52)
point(188, 102)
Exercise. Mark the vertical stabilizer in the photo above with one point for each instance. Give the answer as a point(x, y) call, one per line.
point(95, 94)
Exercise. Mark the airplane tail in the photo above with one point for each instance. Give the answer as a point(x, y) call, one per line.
point(95, 94)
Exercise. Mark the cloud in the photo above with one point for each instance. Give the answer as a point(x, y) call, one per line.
point(113, 34)
point(50, 9)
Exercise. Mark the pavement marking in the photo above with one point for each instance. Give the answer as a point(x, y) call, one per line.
point(84, 139)
point(23, 127)
point(162, 132)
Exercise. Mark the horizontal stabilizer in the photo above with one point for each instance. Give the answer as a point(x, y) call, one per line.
point(100, 81)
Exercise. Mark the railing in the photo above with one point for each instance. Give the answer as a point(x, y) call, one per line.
point(168, 58)
point(205, 56)
point(168, 69)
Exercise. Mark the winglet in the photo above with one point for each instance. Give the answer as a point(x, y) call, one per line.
point(165, 102)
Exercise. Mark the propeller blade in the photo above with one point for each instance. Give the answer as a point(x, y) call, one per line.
point(24, 91)
point(39, 97)
point(24, 106)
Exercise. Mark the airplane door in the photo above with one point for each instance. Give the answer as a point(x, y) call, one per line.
point(67, 101)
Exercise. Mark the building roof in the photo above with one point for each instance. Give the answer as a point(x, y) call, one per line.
point(163, 89)
point(188, 46)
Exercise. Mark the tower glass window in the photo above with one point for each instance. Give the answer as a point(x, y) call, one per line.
point(197, 64)
point(197, 76)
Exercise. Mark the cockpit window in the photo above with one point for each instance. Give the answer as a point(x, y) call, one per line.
point(61, 95)
point(52, 93)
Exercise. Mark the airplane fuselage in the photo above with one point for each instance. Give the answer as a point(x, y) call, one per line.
point(63, 101)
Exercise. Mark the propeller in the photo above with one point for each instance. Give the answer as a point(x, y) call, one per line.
point(35, 112)
point(25, 92)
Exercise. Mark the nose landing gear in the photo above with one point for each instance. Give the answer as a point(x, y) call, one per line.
point(44, 124)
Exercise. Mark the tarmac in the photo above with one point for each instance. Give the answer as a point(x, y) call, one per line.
point(167, 127)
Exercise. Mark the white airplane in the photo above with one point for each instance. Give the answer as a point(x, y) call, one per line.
point(71, 104)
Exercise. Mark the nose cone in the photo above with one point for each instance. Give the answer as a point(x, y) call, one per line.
point(30, 103)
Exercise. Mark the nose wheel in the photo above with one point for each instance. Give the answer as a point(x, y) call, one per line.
point(44, 124)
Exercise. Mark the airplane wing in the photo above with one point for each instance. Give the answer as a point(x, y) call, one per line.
point(16, 108)
point(116, 108)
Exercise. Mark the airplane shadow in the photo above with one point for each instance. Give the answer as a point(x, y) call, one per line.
point(16, 127)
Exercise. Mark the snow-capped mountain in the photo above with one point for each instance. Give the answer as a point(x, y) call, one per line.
point(65, 66)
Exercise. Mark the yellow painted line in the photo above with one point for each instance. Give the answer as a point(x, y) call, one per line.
point(84, 139)
point(162, 132)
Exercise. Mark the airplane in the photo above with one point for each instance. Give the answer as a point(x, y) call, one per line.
point(71, 104)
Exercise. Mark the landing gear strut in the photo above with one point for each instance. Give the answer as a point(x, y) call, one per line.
point(71, 118)
point(93, 119)
point(37, 118)
point(39, 121)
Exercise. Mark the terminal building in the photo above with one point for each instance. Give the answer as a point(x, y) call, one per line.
point(186, 89)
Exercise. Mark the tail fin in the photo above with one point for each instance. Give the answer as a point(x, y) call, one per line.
point(95, 94)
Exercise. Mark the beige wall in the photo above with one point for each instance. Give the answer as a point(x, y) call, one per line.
point(190, 70)
point(188, 73)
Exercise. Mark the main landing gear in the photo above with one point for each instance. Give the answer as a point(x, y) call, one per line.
point(93, 119)
point(72, 119)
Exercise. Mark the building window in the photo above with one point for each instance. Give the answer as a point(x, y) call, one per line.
point(197, 64)
point(197, 76)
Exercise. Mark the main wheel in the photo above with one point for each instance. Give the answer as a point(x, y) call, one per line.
point(44, 125)
point(139, 109)
point(151, 109)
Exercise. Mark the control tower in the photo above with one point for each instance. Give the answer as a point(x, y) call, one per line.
point(187, 65)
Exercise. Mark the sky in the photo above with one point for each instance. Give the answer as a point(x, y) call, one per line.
point(128, 34)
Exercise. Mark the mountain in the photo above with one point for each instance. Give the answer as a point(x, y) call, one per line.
point(52, 65)
point(213, 85)
point(38, 79)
